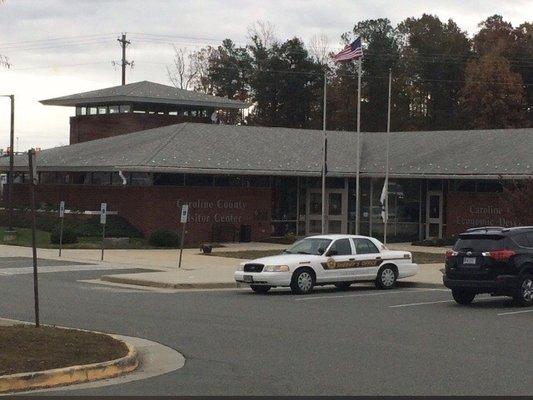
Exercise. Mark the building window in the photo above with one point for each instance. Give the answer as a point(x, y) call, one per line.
point(102, 109)
point(101, 178)
point(256, 181)
point(125, 108)
point(140, 179)
point(489, 187)
point(472, 186)
point(169, 180)
point(198, 180)
point(113, 109)
point(81, 178)
point(284, 197)
point(92, 110)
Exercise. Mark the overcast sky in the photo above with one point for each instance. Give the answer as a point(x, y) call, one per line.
point(60, 47)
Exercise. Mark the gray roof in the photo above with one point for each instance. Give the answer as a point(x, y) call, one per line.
point(227, 149)
point(145, 92)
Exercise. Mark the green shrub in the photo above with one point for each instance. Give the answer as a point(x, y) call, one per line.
point(84, 225)
point(116, 226)
point(163, 238)
point(69, 235)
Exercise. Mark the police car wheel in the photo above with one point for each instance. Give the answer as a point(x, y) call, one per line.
point(302, 282)
point(386, 278)
point(260, 288)
point(343, 285)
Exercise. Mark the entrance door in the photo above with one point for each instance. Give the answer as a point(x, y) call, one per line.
point(336, 211)
point(434, 215)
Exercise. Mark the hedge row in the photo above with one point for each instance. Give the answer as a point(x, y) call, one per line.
point(82, 225)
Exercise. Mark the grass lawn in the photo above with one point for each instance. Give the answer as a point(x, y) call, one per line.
point(24, 348)
point(418, 257)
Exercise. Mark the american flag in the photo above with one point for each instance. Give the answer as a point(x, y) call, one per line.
point(351, 51)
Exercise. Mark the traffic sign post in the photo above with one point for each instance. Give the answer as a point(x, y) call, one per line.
point(33, 181)
point(103, 218)
point(61, 218)
point(183, 220)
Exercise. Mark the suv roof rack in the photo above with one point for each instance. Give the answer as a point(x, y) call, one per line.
point(486, 228)
point(517, 228)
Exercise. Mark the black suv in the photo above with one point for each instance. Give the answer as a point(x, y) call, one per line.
point(491, 260)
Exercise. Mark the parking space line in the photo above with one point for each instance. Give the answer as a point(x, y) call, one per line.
point(515, 312)
point(364, 294)
point(421, 304)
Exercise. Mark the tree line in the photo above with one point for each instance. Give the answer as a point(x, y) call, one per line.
point(442, 78)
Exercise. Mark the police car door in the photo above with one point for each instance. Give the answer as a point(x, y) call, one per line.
point(339, 263)
point(368, 259)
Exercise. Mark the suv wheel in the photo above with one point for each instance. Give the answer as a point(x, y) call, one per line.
point(524, 293)
point(303, 281)
point(463, 297)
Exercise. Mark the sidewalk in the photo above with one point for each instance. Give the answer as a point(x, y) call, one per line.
point(198, 270)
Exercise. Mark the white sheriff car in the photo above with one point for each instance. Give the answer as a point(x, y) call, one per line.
point(338, 260)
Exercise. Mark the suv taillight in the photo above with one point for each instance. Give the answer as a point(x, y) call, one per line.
point(500, 255)
point(450, 254)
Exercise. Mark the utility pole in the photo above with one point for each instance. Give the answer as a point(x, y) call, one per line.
point(10, 234)
point(123, 43)
point(33, 181)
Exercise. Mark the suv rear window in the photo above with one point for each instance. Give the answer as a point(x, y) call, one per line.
point(480, 244)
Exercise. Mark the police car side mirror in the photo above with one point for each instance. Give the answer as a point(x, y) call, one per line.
point(320, 250)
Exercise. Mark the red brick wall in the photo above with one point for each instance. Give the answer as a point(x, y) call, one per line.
point(155, 207)
point(90, 127)
point(468, 210)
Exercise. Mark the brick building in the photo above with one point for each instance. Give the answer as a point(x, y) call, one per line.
point(138, 106)
point(267, 180)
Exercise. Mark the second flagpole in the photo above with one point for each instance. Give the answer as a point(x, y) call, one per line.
point(324, 160)
point(358, 162)
point(386, 184)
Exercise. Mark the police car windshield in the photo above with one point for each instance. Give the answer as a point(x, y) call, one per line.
point(313, 246)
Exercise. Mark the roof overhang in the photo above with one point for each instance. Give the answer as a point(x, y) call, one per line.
point(134, 99)
point(331, 174)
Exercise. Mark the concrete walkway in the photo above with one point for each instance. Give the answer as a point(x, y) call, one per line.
point(198, 270)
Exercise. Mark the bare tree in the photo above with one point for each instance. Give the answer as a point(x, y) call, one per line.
point(264, 31)
point(4, 61)
point(200, 60)
point(182, 73)
point(319, 48)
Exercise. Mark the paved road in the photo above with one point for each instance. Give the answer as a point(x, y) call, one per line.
point(359, 342)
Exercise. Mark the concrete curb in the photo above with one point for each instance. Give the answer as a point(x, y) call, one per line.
point(164, 285)
point(222, 285)
point(71, 375)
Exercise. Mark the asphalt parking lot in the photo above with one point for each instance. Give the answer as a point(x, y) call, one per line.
point(405, 341)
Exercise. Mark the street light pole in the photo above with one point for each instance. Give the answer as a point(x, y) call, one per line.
point(9, 232)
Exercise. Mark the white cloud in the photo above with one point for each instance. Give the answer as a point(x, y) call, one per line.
point(97, 24)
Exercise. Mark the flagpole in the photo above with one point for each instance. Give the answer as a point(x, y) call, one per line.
point(387, 162)
point(357, 180)
point(324, 160)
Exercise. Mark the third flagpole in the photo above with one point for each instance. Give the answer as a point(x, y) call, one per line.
point(324, 161)
point(358, 161)
point(385, 223)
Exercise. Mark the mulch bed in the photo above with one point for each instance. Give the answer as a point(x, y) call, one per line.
point(25, 348)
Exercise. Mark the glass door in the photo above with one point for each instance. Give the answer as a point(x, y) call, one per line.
point(434, 215)
point(336, 211)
